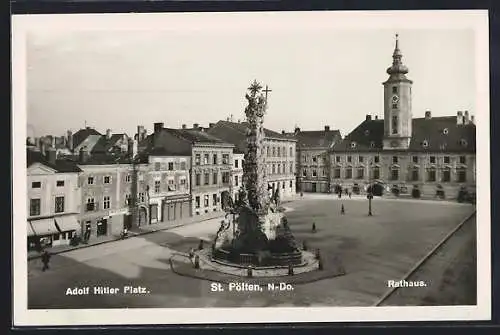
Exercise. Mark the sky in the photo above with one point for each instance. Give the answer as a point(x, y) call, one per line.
point(319, 75)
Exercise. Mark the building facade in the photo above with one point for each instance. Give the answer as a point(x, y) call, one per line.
point(426, 156)
point(53, 200)
point(237, 173)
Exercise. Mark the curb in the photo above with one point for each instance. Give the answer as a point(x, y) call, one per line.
point(389, 292)
point(84, 246)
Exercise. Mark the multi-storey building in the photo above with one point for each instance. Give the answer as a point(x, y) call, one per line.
point(280, 151)
point(432, 155)
point(53, 199)
point(237, 173)
point(210, 165)
point(313, 159)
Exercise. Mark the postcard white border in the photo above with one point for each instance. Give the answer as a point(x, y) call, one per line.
point(286, 21)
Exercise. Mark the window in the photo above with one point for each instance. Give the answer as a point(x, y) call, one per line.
point(461, 176)
point(376, 173)
point(171, 185)
point(128, 178)
point(106, 202)
point(304, 173)
point(183, 182)
point(291, 154)
point(197, 159)
point(315, 159)
point(348, 173)
point(415, 159)
point(206, 198)
point(225, 159)
point(236, 163)
point(304, 159)
point(34, 207)
point(267, 151)
point(377, 159)
point(59, 202)
point(394, 124)
point(205, 159)
point(279, 168)
point(225, 177)
point(197, 202)
point(431, 175)
point(291, 184)
point(415, 175)
point(274, 169)
point(394, 105)
point(337, 159)
point(214, 178)
point(284, 152)
point(128, 199)
point(157, 186)
point(432, 159)
point(214, 199)
point(141, 196)
point(60, 183)
point(446, 159)
point(315, 174)
point(197, 180)
point(236, 180)
point(91, 204)
point(291, 168)
point(279, 152)
point(55, 237)
point(90, 180)
point(183, 165)
point(462, 160)
point(349, 159)
point(394, 174)
point(425, 143)
point(206, 179)
point(170, 166)
point(336, 173)
point(394, 89)
point(361, 173)
point(394, 159)
point(361, 159)
point(323, 172)
point(36, 184)
point(107, 179)
point(274, 151)
point(283, 185)
point(446, 175)
point(157, 166)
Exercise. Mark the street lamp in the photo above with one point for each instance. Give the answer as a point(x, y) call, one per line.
point(370, 188)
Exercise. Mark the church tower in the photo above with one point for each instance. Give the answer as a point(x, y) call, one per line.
point(397, 104)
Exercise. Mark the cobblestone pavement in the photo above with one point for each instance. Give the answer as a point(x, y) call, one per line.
point(372, 249)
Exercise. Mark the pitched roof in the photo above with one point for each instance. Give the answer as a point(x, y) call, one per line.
point(82, 134)
point(317, 138)
point(441, 134)
point(100, 159)
point(198, 136)
point(60, 165)
point(104, 144)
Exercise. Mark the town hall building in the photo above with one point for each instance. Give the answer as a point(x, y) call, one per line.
point(425, 156)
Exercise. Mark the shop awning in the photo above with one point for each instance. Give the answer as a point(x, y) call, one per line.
point(31, 232)
point(44, 227)
point(67, 223)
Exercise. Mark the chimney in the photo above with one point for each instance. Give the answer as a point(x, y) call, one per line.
point(108, 134)
point(428, 115)
point(83, 155)
point(195, 125)
point(460, 118)
point(368, 117)
point(297, 130)
point(53, 145)
point(327, 128)
point(158, 126)
point(376, 117)
point(140, 132)
point(51, 155)
point(132, 147)
point(282, 132)
point(472, 119)
point(42, 145)
point(183, 126)
point(466, 117)
point(211, 125)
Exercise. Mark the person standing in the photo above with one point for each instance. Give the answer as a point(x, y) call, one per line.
point(342, 210)
point(45, 260)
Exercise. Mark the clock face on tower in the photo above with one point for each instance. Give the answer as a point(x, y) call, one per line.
point(395, 98)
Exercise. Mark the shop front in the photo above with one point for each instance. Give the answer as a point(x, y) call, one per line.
point(176, 208)
point(51, 232)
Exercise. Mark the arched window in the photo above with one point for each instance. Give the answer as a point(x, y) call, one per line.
point(394, 124)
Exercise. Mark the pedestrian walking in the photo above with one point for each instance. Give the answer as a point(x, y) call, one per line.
point(342, 210)
point(314, 227)
point(45, 260)
point(350, 195)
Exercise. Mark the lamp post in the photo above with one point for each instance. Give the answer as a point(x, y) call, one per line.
point(370, 187)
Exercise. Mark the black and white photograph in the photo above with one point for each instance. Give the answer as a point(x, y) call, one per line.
point(251, 167)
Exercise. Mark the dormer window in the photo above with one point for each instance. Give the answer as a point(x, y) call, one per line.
point(353, 145)
point(425, 143)
point(372, 144)
point(463, 142)
point(367, 132)
point(445, 131)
